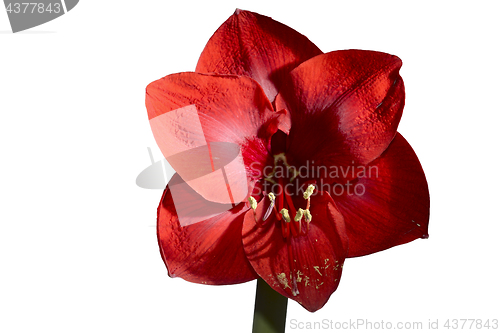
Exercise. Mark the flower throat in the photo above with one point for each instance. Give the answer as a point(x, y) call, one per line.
point(293, 222)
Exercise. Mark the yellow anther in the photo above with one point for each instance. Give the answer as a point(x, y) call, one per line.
point(271, 196)
point(309, 191)
point(307, 215)
point(286, 216)
point(299, 215)
point(253, 202)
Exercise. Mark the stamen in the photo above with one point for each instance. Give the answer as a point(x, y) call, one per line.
point(307, 217)
point(269, 210)
point(299, 215)
point(298, 218)
point(286, 216)
point(253, 203)
point(285, 228)
point(309, 191)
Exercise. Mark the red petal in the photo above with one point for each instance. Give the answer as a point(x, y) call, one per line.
point(318, 257)
point(214, 130)
point(253, 45)
point(390, 205)
point(208, 252)
point(345, 107)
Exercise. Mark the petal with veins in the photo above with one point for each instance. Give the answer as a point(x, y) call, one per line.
point(257, 46)
point(310, 264)
point(209, 251)
point(199, 120)
point(345, 107)
point(394, 206)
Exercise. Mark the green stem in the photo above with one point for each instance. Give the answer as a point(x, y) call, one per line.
point(270, 310)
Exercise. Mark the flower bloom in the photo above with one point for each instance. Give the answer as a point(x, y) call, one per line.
point(305, 166)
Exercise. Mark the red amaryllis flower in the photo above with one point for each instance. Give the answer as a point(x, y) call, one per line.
point(288, 161)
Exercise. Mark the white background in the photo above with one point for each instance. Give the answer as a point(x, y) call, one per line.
point(78, 249)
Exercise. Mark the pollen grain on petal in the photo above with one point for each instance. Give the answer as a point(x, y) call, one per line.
point(283, 280)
